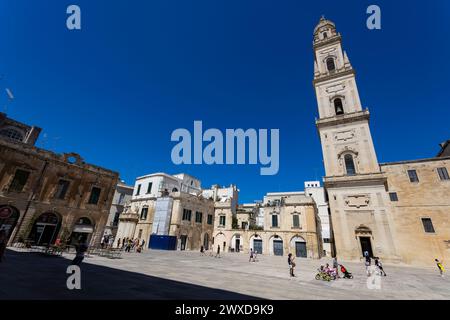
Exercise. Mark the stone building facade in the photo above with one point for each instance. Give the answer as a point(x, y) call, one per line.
point(365, 215)
point(46, 196)
point(169, 205)
point(291, 225)
point(122, 195)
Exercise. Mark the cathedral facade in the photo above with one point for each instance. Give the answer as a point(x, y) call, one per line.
point(397, 211)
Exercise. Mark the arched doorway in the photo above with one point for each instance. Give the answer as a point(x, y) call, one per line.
point(364, 234)
point(277, 245)
point(8, 219)
point(298, 244)
point(220, 241)
point(236, 243)
point(45, 229)
point(256, 243)
point(206, 241)
point(82, 231)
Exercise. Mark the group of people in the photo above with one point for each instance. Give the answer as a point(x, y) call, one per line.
point(204, 251)
point(253, 255)
point(129, 244)
point(377, 262)
point(107, 241)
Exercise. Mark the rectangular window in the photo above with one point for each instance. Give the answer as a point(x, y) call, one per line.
point(138, 190)
point(198, 217)
point(149, 188)
point(210, 219)
point(187, 215)
point(19, 180)
point(326, 240)
point(296, 221)
point(413, 176)
point(393, 196)
point(428, 225)
point(140, 233)
point(61, 189)
point(222, 221)
point(443, 173)
point(274, 220)
point(95, 195)
point(144, 212)
point(116, 219)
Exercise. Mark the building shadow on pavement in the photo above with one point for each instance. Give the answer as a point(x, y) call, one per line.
point(25, 275)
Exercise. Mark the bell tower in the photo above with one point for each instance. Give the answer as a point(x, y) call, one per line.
point(359, 203)
point(343, 124)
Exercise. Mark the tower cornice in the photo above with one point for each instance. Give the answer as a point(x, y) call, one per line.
point(368, 179)
point(335, 75)
point(322, 43)
point(343, 118)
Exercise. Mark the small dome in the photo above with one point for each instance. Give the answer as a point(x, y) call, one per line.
point(324, 23)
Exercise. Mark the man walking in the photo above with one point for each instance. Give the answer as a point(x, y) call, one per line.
point(81, 250)
point(251, 255)
point(218, 252)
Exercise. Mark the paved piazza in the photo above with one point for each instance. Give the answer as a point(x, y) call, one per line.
point(187, 275)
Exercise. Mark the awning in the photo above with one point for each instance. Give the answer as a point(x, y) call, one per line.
point(83, 229)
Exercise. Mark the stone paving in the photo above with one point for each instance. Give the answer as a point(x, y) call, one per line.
point(157, 274)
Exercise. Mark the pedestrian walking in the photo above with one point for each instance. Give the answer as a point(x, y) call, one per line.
point(143, 243)
point(3, 242)
point(110, 242)
point(379, 265)
point(367, 263)
point(128, 246)
point(81, 249)
point(251, 255)
point(440, 267)
point(202, 250)
point(291, 264)
point(118, 243)
point(336, 267)
point(218, 252)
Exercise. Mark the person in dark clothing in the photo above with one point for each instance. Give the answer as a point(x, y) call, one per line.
point(218, 252)
point(291, 264)
point(3, 242)
point(81, 250)
point(379, 265)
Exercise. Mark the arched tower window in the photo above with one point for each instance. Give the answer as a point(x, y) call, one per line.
point(330, 64)
point(349, 165)
point(325, 35)
point(338, 107)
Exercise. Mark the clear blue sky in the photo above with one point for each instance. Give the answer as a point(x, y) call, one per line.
point(114, 91)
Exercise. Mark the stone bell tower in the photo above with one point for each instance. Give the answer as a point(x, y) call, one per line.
point(354, 182)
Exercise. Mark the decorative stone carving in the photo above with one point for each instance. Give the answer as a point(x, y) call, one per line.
point(357, 201)
point(344, 135)
point(335, 88)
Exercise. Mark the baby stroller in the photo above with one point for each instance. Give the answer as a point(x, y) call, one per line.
point(345, 272)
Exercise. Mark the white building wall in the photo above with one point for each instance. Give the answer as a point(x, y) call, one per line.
point(314, 190)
